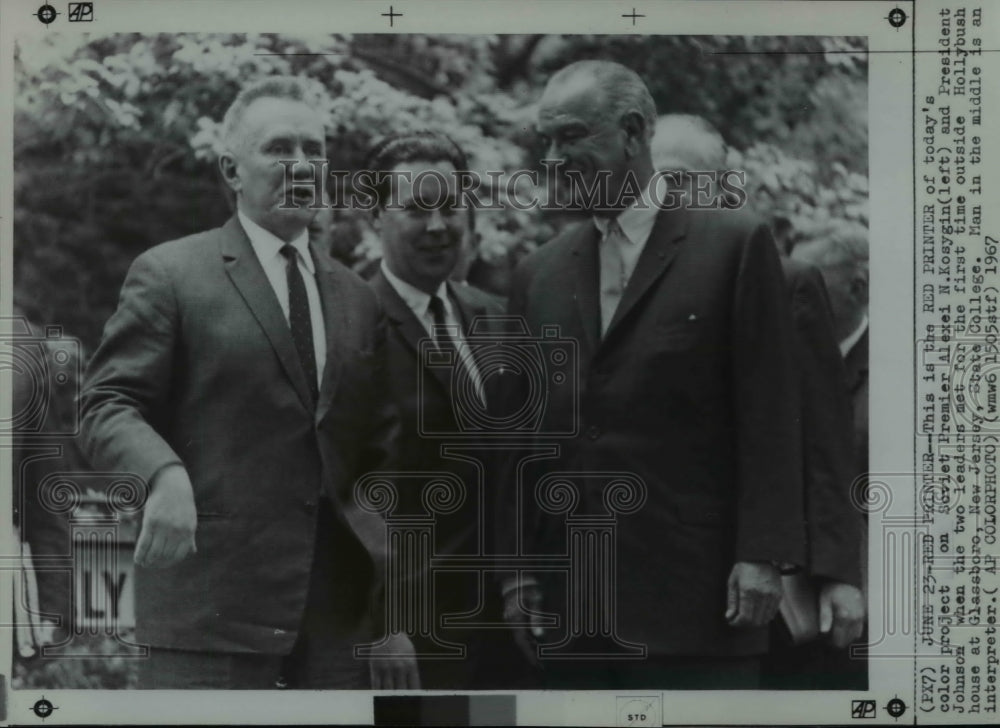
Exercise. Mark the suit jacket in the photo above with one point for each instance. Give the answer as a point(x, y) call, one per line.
point(856, 364)
point(424, 394)
point(197, 366)
point(424, 397)
point(833, 524)
point(692, 389)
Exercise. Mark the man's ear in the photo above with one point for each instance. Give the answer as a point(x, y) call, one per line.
point(230, 173)
point(859, 288)
point(634, 126)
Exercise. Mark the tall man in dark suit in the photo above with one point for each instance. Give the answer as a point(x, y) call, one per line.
point(423, 227)
point(686, 381)
point(825, 598)
point(242, 378)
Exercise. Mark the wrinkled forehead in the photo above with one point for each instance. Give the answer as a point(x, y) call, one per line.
point(576, 97)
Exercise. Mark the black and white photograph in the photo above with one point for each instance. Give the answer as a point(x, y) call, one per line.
point(369, 361)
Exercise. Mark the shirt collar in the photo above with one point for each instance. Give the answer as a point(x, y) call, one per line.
point(847, 344)
point(267, 245)
point(417, 300)
point(636, 220)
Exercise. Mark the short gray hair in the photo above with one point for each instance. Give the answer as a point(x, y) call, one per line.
point(835, 245)
point(688, 141)
point(623, 88)
point(292, 88)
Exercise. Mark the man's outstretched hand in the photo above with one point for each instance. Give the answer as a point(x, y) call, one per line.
point(841, 612)
point(169, 520)
point(754, 593)
point(393, 665)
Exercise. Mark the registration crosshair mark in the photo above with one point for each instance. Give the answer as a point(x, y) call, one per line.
point(46, 14)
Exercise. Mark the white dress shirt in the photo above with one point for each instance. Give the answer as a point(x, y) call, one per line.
point(267, 247)
point(420, 303)
point(854, 337)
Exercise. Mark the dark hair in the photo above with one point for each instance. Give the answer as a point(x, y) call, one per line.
point(424, 145)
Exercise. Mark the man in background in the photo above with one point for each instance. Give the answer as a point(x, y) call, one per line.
point(242, 378)
point(825, 600)
point(841, 254)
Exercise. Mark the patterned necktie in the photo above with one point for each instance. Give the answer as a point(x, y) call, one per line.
point(445, 342)
point(299, 318)
point(614, 278)
point(441, 336)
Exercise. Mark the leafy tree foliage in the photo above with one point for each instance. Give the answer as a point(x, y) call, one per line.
point(115, 140)
point(115, 134)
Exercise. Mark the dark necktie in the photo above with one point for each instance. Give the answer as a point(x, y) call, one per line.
point(299, 318)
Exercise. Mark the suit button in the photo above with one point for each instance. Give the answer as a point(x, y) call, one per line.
point(310, 505)
point(593, 432)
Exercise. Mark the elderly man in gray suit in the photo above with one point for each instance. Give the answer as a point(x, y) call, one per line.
point(242, 377)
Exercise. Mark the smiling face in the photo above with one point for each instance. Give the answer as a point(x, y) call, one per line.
point(576, 130)
point(421, 229)
point(273, 130)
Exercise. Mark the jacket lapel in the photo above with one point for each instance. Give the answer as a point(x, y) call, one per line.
point(656, 257)
point(468, 309)
point(402, 318)
point(586, 283)
point(336, 319)
point(856, 363)
point(246, 273)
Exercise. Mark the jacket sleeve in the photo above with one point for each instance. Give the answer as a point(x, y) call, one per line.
point(383, 437)
point(127, 384)
point(381, 454)
point(766, 409)
point(504, 396)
